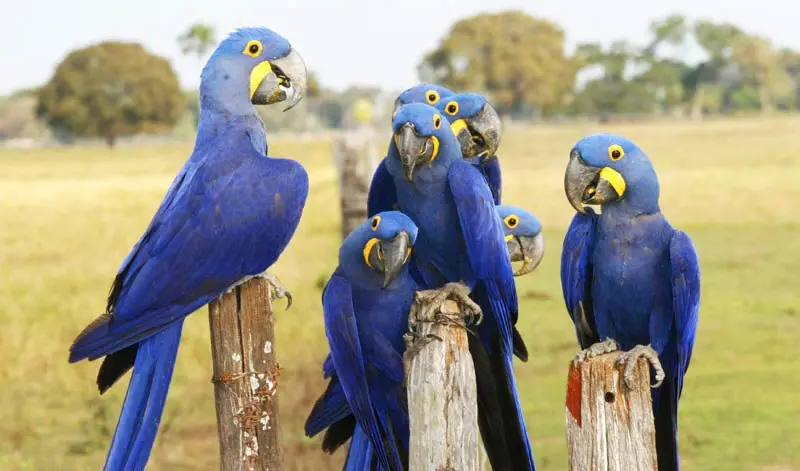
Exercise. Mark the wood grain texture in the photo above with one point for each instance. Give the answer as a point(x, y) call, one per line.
point(442, 397)
point(246, 378)
point(609, 427)
point(355, 158)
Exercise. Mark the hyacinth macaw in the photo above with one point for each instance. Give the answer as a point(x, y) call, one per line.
point(478, 128)
point(524, 237)
point(461, 240)
point(227, 216)
point(630, 280)
point(366, 304)
point(476, 125)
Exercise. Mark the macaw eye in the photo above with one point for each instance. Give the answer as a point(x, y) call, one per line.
point(432, 96)
point(512, 221)
point(452, 108)
point(615, 152)
point(376, 221)
point(253, 48)
point(437, 121)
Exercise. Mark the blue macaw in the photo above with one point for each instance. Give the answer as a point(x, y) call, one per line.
point(524, 237)
point(629, 279)
point(227, 216)
point(478, 128)
point(461, 240)
point(476, 125)
point(381, 191)
point(366, 304)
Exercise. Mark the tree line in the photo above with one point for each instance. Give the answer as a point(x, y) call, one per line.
point(114, 88)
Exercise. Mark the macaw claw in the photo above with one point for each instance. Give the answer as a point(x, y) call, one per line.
point(630, 359)
point(595, 350)
point(277, 291)
point(430, 304)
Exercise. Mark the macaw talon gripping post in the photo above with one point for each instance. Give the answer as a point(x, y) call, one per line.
point(632, 356)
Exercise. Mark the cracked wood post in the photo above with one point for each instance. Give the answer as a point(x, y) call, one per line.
point(246, 378)
point(609, 427)
point(442, 397)
point(355, 158)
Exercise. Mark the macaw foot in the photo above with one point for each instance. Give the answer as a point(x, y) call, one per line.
point(595, 350)
point(632, 356)
point(429, 305)
point(277, 291)
point(415, 342)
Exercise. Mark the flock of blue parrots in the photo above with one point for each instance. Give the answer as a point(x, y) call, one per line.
point(630, 281)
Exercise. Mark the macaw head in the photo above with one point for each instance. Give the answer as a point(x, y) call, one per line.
point(475, 123)
point(606, 169)
point(422, 136)
point(380, 246)
point(428, 93)
point(253, 66)
point(524, 237)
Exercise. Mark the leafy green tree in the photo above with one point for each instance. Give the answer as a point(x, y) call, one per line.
point(761, 65)
point(198, 39)
point(109, 90)
point(517, 59)
point(717, 40)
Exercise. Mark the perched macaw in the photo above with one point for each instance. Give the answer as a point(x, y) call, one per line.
point(366, 304)
point(478, 128)
point(382, 192)
point(227, 216)
point(524, 237)
point(461, 240)
point(629, 279)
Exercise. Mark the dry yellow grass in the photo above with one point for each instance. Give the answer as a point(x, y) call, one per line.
point(69, 216)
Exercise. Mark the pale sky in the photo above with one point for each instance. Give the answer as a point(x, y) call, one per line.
point(345, 41)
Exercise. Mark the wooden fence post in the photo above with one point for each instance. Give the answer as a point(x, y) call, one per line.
point(609, 426)
point(355, 158)
point(442, 396)
point(246, 378)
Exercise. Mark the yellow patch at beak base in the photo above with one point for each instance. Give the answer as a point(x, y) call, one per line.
point(458, 125)
point(614, 178)
point(368, 248)
point(435, 151)
point(257, 76)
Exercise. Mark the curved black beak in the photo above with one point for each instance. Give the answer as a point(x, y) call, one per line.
point(414, 149)
point(585, 184)
point(526, 249)
point(479, 135)
point(277, 80)
point(395, 255)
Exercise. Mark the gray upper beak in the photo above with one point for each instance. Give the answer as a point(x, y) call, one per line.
point(580, 181)
point(288, 77)
point(485, 129)
point(526, 249)
point(395, 256)
point(413, 148)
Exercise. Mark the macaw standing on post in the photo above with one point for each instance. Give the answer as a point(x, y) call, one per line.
point(227, 216)
point(461, 240)
point(629, 279)
point(366, 304)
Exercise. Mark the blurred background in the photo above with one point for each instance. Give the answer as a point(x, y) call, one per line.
point(98, 108)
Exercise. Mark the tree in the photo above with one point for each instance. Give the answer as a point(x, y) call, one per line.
point(313, 87)
point(717, 41)
point(197, 39)
point(109, 90)
point(518, 59)
point(762, 67)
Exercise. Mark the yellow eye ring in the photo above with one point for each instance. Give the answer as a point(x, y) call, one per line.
point(432, 96)
point(253, 48)
point(615, 152)
point(511, 221)
point(451, 108)
point(376, 221)
point(437, 121)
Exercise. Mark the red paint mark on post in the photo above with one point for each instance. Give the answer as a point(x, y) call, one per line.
point(574, 393)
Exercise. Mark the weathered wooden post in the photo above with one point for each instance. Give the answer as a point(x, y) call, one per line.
point(442, 396)
point(246, 378)
point(609, 426)
point(356, 158)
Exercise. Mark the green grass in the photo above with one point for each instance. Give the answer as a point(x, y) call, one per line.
point(69, 216)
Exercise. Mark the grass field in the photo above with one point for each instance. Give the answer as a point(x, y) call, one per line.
point(68, 217)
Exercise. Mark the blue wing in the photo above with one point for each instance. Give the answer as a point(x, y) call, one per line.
point(491, 171)
point(576, 275)
point(685, 275)
point(485, 243)
point(223, 220)
point(382, 192)
point(348, 359)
